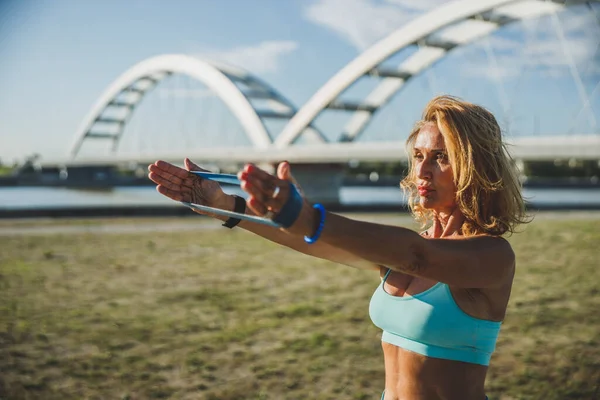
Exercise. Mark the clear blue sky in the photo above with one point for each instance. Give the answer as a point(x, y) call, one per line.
point(59, 55)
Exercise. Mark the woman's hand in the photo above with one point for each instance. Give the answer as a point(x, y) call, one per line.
point(180, 185)
point(268, 194)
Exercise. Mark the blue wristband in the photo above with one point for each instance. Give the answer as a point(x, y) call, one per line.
point(317, 234)
point(291, 209)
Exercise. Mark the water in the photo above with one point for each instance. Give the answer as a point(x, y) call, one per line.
point(24, 198)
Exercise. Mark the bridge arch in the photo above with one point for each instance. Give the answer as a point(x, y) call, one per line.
point(484, 16)
point(142, 77)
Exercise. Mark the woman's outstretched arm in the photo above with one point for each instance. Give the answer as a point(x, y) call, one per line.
point(470, 262)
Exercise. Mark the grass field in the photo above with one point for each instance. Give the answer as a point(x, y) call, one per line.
point(94, 310)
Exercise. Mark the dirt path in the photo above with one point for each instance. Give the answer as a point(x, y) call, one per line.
point(45, 226)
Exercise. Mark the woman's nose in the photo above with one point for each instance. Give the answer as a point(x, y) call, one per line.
point(423, 170)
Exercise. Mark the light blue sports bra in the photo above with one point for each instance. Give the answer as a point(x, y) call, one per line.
point(431, 323)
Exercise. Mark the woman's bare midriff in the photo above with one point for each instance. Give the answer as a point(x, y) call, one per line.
point(412, 376)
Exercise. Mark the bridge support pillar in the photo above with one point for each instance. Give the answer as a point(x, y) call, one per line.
point(321, 183)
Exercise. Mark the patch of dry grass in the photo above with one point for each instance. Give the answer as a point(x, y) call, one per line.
point(219, 314)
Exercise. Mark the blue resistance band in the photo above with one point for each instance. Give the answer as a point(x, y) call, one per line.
point(285, 218)
point(232, 214)
point(291, 209)
point(223, 178)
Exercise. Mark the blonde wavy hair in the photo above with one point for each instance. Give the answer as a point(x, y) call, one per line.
point(488, 190)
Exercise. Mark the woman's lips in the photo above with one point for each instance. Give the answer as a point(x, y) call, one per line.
point(424, 191)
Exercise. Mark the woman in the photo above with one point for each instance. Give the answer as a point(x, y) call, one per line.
point(443, 292)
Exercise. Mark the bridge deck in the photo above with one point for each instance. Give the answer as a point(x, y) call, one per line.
point(526, 148)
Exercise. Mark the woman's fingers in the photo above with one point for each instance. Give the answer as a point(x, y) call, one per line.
point(264, 190)
point(165, 182)
point(251, 186)
point(172, 182)
point(171, 169)
point(257, 206)
point(253, 170)
point(284, 171)
point(190, 166)
point(166, 168)
point(267, 193)
point(173, 194)
point(171, 173)
point(162, 178)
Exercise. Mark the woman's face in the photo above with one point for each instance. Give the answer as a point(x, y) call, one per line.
point(433, 171)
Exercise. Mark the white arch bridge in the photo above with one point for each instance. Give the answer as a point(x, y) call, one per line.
point(432, 37)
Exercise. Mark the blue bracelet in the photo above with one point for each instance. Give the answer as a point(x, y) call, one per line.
point(317, 234)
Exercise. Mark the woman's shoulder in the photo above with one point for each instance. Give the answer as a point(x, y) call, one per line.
point(492, 243)
point(493, 239)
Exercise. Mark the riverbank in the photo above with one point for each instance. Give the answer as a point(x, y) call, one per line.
point(182, 308)
point(362, 180)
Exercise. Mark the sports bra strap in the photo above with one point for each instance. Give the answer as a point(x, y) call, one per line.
point(386, 274)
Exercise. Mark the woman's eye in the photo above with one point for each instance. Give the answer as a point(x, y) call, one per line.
point(442, 156)
point(418, 156)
